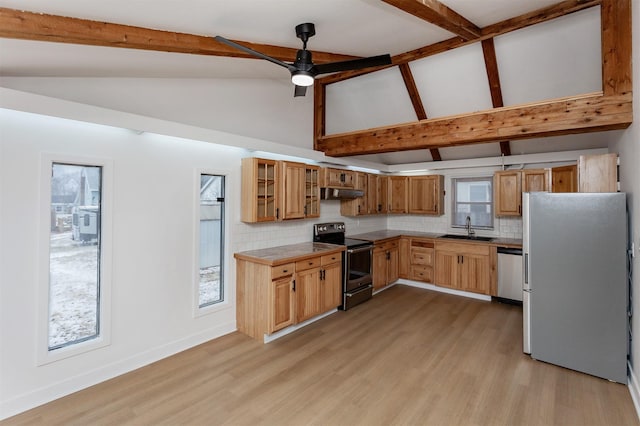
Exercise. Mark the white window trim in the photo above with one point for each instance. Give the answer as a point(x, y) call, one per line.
point(227, 296)
point(495, 232)
point(44, 355)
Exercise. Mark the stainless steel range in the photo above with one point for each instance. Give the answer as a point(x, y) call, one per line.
point(357, 283)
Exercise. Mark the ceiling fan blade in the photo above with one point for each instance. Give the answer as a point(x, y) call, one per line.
point(300, 91)
point(354, 64)
point(254, 53)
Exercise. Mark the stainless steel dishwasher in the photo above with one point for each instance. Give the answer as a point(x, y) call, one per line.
point(510, 274)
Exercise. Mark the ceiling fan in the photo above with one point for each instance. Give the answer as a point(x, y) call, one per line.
point(303, 70)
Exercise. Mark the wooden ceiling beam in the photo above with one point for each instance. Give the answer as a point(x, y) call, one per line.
point(440, 15)
point(416, 101)
point(493, 76)
point(43, 27)
point(542, 15)
point(578, 114)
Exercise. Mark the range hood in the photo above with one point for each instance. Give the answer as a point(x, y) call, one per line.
point(340, 193)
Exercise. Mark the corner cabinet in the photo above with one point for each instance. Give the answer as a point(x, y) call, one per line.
point(259, 190)
point(398, 194)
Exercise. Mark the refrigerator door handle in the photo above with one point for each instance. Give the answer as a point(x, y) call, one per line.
point(526, 269)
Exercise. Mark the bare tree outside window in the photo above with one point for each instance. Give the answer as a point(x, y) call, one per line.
point(74, 254)
point(211, 240)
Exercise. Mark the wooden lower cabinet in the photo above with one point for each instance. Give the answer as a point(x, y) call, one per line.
point(404, 248)
point(270, 298)
point(385, 263)
point(466, 266)
point(421, 260)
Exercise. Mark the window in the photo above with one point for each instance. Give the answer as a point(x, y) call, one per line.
point(210, 288)
point(473, 198)
point(74, 256)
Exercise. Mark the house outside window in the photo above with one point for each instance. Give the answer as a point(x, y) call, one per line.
point(74, 255)
point(210, 285)
point(472, 197)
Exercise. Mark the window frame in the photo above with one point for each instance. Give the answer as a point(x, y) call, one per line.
point(226, 302)
point(45, 355)
point(454, 202)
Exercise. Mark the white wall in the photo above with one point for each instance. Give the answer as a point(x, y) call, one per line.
point(153, 219)
point(627, 145)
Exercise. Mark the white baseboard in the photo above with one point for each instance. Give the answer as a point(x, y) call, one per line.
point(278, 334)
point(634, 389)
point(444, 290)
point(48, 393)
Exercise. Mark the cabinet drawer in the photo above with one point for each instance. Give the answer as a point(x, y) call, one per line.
point(421, 273)
point(308, 264)
point(421, 256)
point(421, 243)
point(328, 259)
point(387, 245)
point(282, 270)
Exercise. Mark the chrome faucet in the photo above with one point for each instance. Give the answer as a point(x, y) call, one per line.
point(470, 232)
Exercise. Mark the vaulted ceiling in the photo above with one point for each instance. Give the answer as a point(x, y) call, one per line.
point(451, 58)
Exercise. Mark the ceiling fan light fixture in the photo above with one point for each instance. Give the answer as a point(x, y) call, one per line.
point(302, 78)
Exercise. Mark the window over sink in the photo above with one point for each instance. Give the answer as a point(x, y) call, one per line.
point(472, 197)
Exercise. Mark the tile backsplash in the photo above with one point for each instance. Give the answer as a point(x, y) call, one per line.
point(262, 235)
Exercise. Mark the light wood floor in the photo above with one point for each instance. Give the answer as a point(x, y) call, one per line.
point(407, 357)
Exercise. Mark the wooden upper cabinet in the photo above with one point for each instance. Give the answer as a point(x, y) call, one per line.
point(260, 190)
point(426, 194)
point(336, 178)
point(312, 191)
point(507, 190)
point(598, 173)
point(564, 179)
point(398, 194)
point(535, 180)
point(382, 194)
point(372, 194)
point(293, 190)
point(358, 206)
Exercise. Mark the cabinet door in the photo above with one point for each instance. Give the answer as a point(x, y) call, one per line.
point(404, 250)
point(372, 194)
point(446, 269)
point(426, 195)
point(474, 273)
point(331, 286)
point(308, 294)
point(293, 190)
point(535, 180)
point(379, 268)
point(259, 190)
point(382, 195)
point(282, 304)
point(507, 193)
point(598, 173)
point(392, 266)
point(564, 179)
point(312, 191)
point(398, 187)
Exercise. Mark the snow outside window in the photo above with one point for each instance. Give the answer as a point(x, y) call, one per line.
point(74, 255)
point(211, 240)
point(473, 198)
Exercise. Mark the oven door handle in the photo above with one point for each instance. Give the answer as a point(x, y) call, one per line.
point(359, 249)
point(370, 286)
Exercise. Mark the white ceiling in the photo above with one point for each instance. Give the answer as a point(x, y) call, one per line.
point(355, 27)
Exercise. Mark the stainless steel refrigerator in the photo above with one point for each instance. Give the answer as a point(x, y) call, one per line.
point(575, 291)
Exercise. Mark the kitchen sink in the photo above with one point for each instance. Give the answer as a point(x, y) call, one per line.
point(466, 237)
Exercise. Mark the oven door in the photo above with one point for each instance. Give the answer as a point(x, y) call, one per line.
point(358, 267)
